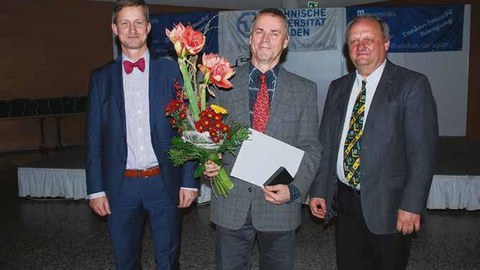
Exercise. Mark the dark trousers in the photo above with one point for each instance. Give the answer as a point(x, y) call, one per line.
point(357, 247)
point(233, 248)
point(138, 197)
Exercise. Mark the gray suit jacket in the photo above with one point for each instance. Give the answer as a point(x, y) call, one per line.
point(293, 120)
point(399, 146)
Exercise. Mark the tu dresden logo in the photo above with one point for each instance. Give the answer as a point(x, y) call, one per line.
point(244, 23)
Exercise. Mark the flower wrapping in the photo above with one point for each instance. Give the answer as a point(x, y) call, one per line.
point(204, 132)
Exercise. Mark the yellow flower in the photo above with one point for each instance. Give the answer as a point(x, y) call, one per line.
point(218, 109)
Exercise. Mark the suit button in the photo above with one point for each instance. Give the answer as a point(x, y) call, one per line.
point(249, 189)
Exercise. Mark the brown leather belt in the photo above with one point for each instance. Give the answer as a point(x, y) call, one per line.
point(143, 173)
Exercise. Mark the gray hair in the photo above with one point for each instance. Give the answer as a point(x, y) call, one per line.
point(383, 26)
point(275, 13)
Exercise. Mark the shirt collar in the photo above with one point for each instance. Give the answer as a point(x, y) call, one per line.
point(373, 78)
point(271, 74)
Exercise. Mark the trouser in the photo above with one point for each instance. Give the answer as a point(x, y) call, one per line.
point(234, 248)
point(357, 247)
point(138, 197)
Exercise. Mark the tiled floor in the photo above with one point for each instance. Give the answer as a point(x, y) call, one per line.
point(65, 234)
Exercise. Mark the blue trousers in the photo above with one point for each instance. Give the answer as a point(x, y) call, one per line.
point(139, 198)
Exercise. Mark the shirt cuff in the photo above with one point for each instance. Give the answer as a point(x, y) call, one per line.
point(294, 193)
point(96, 195)
point(188, 188)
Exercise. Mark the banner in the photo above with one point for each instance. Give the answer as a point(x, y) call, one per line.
point(419, 29)
point(309, 29)
point(161, 45)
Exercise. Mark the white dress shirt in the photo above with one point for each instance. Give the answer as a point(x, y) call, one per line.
point(140, 154)
point(371, 87)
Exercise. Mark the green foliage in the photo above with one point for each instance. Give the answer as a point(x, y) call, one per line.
point(183, 151)
point(238, 133)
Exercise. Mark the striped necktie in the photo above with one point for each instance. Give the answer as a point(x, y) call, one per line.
point(351, 155)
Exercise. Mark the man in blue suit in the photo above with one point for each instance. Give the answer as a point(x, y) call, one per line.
point(128, 138)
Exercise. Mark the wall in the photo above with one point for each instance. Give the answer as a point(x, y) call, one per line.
point(48, 49)
point(473, 109)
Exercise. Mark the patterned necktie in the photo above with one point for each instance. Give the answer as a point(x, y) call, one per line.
point(140, 64)
point(351, 155)
point(261, 108)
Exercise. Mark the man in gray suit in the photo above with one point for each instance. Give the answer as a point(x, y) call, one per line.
point(379, 132)
point(269, 215)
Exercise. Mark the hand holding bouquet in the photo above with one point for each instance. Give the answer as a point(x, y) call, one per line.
point(205, 134)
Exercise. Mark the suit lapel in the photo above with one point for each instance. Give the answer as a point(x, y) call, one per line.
point(154, 92)
point(343, 97)
point(117, 88)
point(278, 107)
point(239, 98)
point(381, 95)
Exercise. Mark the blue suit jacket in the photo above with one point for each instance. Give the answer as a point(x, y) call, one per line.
point(106, 139)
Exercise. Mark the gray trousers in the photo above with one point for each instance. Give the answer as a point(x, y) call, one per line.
point(234, 248)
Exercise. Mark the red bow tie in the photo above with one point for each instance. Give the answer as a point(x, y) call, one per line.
point(140, 64)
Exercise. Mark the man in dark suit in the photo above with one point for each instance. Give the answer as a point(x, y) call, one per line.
point(128, 137)
point(269, 215)
point(379, 132)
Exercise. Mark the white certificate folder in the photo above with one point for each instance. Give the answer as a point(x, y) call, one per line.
point(261, 155)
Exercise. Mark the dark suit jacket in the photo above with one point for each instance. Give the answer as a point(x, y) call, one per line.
point(399, 146)
point(293, 120)
point(106, 139)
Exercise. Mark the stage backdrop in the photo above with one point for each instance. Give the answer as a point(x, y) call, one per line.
point(314, 51)
point(206, 22)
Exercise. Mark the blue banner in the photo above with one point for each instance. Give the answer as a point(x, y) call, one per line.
point(161, 45)
point(419, 29)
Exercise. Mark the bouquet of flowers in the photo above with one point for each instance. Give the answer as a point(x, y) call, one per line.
point(204, 132)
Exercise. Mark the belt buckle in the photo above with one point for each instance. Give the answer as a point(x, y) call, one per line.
point(143, 173)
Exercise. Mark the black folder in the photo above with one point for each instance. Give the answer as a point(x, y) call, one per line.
point(281, 176)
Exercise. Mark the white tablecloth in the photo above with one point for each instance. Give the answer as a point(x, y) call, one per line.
point(47, 182)
point(454, 192)
point(447, 191)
